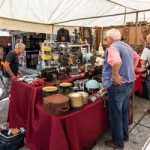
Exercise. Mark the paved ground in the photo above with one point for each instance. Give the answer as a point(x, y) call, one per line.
point(139, 131)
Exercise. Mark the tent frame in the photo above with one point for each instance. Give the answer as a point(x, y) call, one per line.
point(104, 16)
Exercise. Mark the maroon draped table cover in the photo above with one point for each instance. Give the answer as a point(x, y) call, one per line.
point(76, 130)
point(138, 84)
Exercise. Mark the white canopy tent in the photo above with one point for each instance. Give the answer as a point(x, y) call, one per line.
point(37, 15)
point(4, 33)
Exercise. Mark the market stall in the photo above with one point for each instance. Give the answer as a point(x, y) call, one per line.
point(76, 61)
point(78, 129)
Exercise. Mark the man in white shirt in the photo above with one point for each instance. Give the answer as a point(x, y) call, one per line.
point(145, 62)
point(145, 57)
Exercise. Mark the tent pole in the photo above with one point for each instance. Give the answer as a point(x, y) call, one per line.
point(133, 94)
point(136, 27)
point(102, 36)
point(52, 32)
point(104, 16)
point(13, 41)
point(125, 16)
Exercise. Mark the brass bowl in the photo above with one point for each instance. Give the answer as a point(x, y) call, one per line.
point(65, 84)
point(49, 90)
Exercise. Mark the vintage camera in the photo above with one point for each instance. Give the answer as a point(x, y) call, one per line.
point(49, 74)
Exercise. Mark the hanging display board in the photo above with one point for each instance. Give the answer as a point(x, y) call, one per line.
point(132, 35)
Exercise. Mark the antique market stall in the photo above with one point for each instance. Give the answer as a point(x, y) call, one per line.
point(62, 105)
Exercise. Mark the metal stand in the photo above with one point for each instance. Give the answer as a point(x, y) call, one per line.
point(132, 101)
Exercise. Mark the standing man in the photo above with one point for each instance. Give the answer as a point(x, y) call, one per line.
point(118, 77)
point(145, 56)
point(11, 65)
point(145, 62)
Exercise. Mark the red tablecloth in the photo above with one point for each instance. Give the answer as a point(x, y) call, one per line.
point(138, 82)
point(77, 130)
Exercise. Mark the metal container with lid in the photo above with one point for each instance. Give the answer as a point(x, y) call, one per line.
point(85, 97)
point(56, 104)
point(65, 88)
point(76, 100)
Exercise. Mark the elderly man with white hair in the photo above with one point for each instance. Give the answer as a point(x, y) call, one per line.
point(11, 65)
point(118, 77)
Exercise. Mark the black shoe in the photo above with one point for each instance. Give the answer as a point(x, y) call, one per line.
point(126, 139)
point(110, 143)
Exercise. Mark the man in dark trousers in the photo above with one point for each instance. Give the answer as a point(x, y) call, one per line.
point(11, 65)
point(118, 77)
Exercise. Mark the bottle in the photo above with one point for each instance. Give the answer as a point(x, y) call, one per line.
point(86, 67)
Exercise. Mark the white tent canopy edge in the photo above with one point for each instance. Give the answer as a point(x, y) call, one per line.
point(37, 15)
